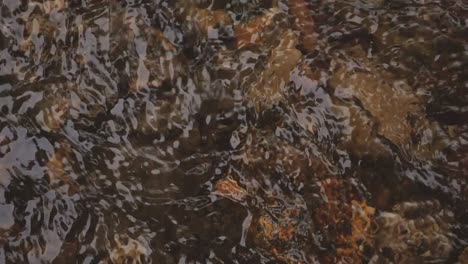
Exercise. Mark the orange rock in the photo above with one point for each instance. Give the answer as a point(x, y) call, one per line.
point(209, 19)
point(304, 22)
point(57, 168)
point(337, 207)
point(334, 217)
point(252, 32)
point(352, 244)
point(229, 188)
point(274, 233)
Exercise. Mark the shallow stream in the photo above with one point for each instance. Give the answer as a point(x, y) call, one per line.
point(263, 131)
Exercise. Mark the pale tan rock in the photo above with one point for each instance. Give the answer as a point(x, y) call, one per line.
point(390, 103)
point(415, 232)
point(362, 138)
point(127, 248)
point(50, 6)
point(267, 91)
point(384, 106)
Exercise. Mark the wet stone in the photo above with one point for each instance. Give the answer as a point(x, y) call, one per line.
point(268, 90)
point(7, 219)
point(233, 131)
point(416, 231)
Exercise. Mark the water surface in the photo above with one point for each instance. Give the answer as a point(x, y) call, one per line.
point(265, 131)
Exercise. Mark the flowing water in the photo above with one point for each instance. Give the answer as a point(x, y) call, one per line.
point(262, 131)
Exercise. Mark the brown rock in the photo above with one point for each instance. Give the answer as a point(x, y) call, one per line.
point(389, 103)
point(59, 170)
point(252, 32)
point(304, 22)
point(209, 19)
point(415, 232)
point(229, 188)
point(267, 91)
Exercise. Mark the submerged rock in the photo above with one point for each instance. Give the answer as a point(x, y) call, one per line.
point(60, 170)
point(208, 20)
point(304, 22)
point(127, 249)
point(383, 107)
point(389, 103)
point(463, 259)
point(268, 89)
point(414, 232)
point(127, 132)
point(253, 31)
